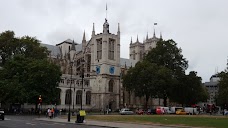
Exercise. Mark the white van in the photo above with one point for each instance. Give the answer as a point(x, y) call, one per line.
point(191, 110)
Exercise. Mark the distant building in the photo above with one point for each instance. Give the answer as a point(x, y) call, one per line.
point(139, 49)
point(212, 88)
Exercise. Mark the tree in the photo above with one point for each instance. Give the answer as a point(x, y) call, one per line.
point(222, 97)
point(7, 41)
point(27, 46)
point(26, 72)
point(24, 79)
point(168, 55)
point(189, 90)
point(145, 79)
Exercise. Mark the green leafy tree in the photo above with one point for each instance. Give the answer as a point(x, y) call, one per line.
point(7, 44)
point(27, 46)
point(222, 97)
point(145, 79)
point(26, 72)
point(23, 80)
point(189, 90)
point(167, 54)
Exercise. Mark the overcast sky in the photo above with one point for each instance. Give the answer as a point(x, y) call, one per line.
point(199, 27)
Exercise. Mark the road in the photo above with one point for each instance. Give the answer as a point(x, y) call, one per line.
point(18, 121)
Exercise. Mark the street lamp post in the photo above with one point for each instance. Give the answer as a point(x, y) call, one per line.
point(83, 61)
point(71, 65)
point(73, 96)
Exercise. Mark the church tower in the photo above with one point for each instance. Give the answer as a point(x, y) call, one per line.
point(105, 61)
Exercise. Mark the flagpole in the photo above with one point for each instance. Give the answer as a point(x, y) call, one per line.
point(106, 10)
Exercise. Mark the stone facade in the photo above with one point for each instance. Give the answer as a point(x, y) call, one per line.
point(92, 71)
point(212, 88)
point(96, 60)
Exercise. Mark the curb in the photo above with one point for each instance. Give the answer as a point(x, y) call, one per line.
point(96, 125)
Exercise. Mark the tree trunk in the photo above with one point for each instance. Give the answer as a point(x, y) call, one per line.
point(129, 97)
point(147, 98)
point(165, 101)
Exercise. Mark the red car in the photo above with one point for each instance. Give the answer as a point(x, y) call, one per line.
point(140, 112)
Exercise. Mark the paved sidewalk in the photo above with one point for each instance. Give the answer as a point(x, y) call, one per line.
point(111, 124)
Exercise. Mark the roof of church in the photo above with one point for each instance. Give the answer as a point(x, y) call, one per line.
point(69, 41)
point(55, 50)
point(128, 62)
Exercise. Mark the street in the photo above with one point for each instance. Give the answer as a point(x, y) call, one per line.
point(25, 121)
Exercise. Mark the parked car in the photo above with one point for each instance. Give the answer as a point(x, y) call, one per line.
point(225, 112)
point(173, 110)
point(126, 111)
point(2, 114)
point(163, 110)
point(191, 110)
point(139, 112)
point(181, 112)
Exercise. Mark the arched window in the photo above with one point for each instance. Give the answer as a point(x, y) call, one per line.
point(88, 97)
point(79, 97)
point(133, 54)
point(68, 97)
point(141, 55)
point(110, 86)
point(111, 49)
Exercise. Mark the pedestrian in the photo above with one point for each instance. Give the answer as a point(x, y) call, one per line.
point(49, 113)
point(53, 112)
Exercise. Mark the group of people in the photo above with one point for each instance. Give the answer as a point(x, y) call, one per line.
point(50, 112)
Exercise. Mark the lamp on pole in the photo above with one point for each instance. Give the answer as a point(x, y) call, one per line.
point(73, 96)
point(71, 65)
point(82, 74)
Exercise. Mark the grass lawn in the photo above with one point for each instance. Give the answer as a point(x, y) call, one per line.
point(186, 120)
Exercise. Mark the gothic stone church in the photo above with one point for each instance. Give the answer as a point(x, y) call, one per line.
point(97, 62)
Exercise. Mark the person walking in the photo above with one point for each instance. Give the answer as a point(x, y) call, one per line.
point(49, 113)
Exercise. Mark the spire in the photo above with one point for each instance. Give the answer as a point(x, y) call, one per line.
point(118, 31)
point(93, 32)
point(131, 40)
point(73, 46)
point(154, 33)
point(147, 36)
point(84, 36)
point(83, 41)
point(137, 39)
point(160, 35)
point(93, 28)
point(118, 27)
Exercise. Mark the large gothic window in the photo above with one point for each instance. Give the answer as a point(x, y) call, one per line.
point(111, 49)
point(99, 48)
point(68, 97)
point(88, 97)
point(133, 54)
point(79, 97)
point(141, 55)
point(110, 86)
